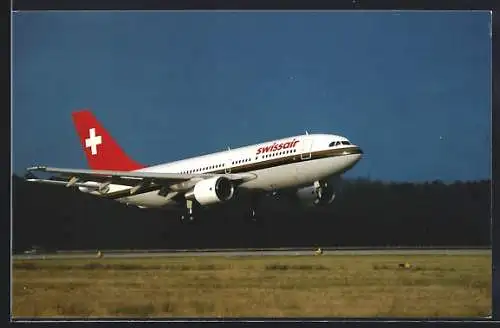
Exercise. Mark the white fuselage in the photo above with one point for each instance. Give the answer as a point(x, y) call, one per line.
point(284, 163)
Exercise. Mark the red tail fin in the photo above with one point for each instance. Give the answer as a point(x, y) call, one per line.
point(102, 151)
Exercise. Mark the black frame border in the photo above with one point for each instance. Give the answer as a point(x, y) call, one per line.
point(59, 5)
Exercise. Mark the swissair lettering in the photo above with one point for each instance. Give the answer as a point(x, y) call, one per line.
point(277, 146)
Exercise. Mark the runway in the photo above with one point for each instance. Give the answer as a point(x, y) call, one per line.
point(247, 253)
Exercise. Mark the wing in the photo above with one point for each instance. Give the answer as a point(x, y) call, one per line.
point(139, 181)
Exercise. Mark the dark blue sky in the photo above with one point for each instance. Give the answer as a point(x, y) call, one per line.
point(168, 85)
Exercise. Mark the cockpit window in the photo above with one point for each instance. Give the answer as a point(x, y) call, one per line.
point(338, 143)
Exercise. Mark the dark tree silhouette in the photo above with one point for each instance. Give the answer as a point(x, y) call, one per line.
point(366, 213)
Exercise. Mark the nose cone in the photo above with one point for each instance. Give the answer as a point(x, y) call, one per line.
point(354, 155)
point(355, 150)
point(358, 154)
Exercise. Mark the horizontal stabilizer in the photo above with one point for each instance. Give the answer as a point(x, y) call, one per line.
point(62, 183)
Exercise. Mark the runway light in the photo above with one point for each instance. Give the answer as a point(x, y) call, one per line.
point(405, 265)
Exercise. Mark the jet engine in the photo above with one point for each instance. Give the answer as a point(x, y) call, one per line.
point(213, 190)
point(320, 193)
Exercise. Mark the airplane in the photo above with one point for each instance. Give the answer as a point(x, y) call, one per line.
point(306, 167)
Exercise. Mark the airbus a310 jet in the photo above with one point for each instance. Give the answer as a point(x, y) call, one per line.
point(309, 167)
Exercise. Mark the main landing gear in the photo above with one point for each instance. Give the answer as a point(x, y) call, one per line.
point(252, 215)
point(188, 215)
point(191, 210)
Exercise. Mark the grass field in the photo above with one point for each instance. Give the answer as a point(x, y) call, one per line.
point(360, 286)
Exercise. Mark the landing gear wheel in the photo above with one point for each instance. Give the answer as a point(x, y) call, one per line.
point(187, 218)
point(251, 216)
point(188, 215)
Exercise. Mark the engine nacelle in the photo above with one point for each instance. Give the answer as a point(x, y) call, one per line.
point(214, 190)
point(318, 195)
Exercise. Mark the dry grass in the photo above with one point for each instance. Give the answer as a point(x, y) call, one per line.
point(361, 286)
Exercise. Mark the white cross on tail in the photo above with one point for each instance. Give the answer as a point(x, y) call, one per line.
point(92, 141)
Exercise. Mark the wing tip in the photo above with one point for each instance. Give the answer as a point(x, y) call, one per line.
point(36, 168)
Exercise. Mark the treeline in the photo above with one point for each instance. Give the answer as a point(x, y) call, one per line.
point(366, 213)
